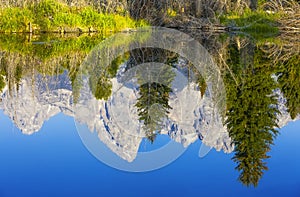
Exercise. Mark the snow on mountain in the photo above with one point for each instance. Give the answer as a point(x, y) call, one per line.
point(36, 101)
point(284, 117)
point(110, 125)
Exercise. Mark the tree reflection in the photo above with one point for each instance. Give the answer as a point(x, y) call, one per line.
point(153, 102)
point(251, 115)
point(285, 58)
point(289, 79)
point(100, 78)
point(153, 107)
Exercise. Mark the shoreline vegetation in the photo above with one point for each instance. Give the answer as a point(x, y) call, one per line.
point(57, 16)
point(50, 16)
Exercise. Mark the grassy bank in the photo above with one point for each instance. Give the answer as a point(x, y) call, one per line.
point(52, 16)
point(259, 24)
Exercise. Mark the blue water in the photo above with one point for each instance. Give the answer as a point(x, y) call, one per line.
point(54, 162)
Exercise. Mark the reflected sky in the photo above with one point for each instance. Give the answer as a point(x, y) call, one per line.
point(55, 162)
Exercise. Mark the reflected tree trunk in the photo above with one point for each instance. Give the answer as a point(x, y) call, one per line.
point(253, 5)
point(198, 8)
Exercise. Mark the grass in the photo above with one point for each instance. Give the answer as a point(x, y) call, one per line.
point(15, 19)
point(258, 24)
point(52, 16)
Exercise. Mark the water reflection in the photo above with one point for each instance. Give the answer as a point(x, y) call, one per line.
point(261, 79)
point(149, 99)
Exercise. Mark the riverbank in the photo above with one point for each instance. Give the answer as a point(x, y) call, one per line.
point(52, 16)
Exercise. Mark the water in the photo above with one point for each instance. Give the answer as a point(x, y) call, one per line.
point(91, 115)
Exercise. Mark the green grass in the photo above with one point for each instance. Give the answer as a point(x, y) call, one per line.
point(15, 19)
point(52, 16)
point(258, 24)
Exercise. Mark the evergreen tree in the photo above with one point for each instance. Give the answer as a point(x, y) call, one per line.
point(289, 80)
point(100, 78)
point(2, 83)
point(251, 113)
point(153, 103)
point(153, 107)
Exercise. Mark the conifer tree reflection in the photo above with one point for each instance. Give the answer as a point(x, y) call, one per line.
point(251, 115)
point(103, 88)
point(2, 72)
point(153, 102)
point(289, 77)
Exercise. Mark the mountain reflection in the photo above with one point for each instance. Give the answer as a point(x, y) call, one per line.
point(261, 81)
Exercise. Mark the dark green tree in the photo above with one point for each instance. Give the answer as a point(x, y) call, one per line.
point(153, 103)
point(100, 78)
point(289, 80)
point(251, 112)
point(2, 83)
point(153, 107)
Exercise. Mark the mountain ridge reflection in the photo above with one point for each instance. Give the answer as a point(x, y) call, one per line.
point(120, 115)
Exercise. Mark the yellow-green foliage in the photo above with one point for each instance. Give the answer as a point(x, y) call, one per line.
point(171, 12)
point(249, 17)
point(68, 19)
point(259, 24)
point(50, 15)
point(15, 19)
point(49, 46)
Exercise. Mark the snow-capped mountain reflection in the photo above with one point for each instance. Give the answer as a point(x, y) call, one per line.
point(116, 120)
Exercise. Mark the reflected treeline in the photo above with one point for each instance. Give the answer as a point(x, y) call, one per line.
point(46, 54)
point(285, 58)
point(252, 74)
point(288, 78)
point(252, 71)
point(100, 79)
